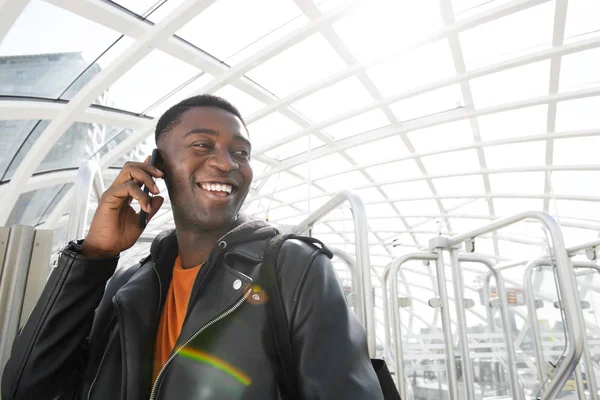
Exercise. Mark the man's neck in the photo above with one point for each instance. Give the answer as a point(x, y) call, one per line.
point(196, 245)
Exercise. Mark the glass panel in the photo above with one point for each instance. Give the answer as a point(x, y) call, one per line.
point(518, 182)
point(471, 207)
point(579, 70)
point(466, 8)
point(250, 22)
point(245, 103)
point(380, 210)
point(578, 114)
point(582, 17)
point(298, 61)
point(369, 195)
point(31, 206)
point(379, 151)
point(506, 207)
point(516, 155)
point(271, 127)
point(189, 89)
point(483, 45)
point(508, 86)
point(418, 207)
point(139, 153)
point(448, 163)
point(576, 183)
point(520, 122)
point(407, 189)
point(439, 137)
point(140, 7)
point(377, 19)
point(364, 122)
point(397, 170)
point(44, 65)
point(112, 143)
point(294, 147)
point(416, 68)
point(577, 151)
point(334, 100)
point(12, 135)
point(77, 144)
point(583, 210)
point(328, 165)
point(459, 185)
point(436, 101)
point(151, 79)
point(349, 180)
point(55, 201)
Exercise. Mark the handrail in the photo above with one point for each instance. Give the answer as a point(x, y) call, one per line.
point(566, 284)
point(392, 271)
point(88, 177)
point(510, 345)
point(363, 271)
point(535, 329)
point(395, 319)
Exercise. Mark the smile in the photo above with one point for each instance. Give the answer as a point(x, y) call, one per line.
point(218, 188)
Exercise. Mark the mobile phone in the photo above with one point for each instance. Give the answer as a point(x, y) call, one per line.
point(154, 159)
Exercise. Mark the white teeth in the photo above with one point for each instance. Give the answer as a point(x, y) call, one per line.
point(217, 187)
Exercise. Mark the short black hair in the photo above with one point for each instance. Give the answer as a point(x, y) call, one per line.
point(172, 116)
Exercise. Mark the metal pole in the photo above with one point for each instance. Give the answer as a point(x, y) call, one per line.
point(12, 286)
point(567, 286)
point(393, 272)
point(461, 324)
point(88, 177)
point(533, 321)
point(447, 328)
point(363, 270)
point(515, 387)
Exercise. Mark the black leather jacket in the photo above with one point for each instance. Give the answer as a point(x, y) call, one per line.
point(85, 341)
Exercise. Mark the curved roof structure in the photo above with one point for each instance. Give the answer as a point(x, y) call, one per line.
point(442, 115)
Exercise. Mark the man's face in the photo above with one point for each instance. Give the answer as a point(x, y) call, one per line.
point(206, 161)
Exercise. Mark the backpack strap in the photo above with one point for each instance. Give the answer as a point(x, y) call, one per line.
point(277, 317)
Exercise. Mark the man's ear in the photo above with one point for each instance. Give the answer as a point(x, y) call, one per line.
point(159, 162)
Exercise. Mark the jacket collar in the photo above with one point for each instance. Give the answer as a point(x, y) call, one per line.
point(243, 238)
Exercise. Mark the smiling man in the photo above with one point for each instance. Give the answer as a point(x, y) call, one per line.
point(189, 321)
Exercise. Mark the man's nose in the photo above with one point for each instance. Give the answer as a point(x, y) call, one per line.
point(221, 159)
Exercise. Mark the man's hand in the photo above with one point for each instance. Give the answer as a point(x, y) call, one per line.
point(115, 226)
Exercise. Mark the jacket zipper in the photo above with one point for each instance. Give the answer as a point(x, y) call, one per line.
point(99, 367)
point(199, 331)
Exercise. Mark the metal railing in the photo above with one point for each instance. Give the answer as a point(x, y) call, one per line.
point(567, 285)
point(88, 177)
point(364, 302)
point(392, 271)
point(537, 337)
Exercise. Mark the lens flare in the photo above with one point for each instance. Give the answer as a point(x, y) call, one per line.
point(216, 362)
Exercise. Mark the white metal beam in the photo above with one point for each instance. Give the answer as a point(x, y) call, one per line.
point(471, 22)
point(138, 50)
point(10, 10)
point(475, 73)
point(560, 20)
point(40, 109)
point(428, 121)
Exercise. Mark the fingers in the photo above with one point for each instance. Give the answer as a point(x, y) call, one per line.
point(140, 173)
point(121, 194)
point(155, 203)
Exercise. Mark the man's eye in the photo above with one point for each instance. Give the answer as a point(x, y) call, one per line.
point(201, 145)
point(242, 153)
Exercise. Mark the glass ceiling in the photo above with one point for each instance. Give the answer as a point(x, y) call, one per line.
point(441, 115)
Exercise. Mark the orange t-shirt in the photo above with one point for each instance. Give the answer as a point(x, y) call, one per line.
point(173, 313)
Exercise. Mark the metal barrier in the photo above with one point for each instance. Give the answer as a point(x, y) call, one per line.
point(364, 302)
point(537, 337)
point(392, 270)
point(566, 283)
